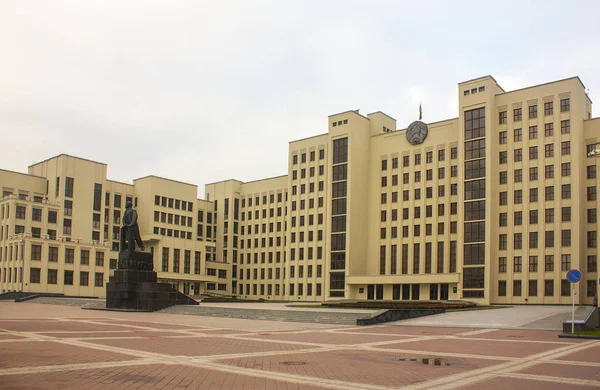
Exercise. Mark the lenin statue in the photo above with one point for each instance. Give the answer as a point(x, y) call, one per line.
point(130, 231)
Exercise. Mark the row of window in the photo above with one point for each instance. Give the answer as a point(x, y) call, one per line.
point(69, 256)
point(263, 257)
point(416, 259)
point(176, 261)
point(565, 128)
point(173, 203)
point(271, 199)
point(472, 91)
point(565, 263)
point(549, 194)
point(68, 277)
point(172, 219)
point(533, 152)
point(565, 240)
point(428, 175)
point(592, 216)
point(312, 154)
point(428, 158)
point(417, 193)
point(311, 172)
point(417, 158)
point(268, 273)
point(278, 289)
point(565, 106)
point(417, 230)
point(178, 233)
point(565, 170)
point(565, 288)
point(36, 213)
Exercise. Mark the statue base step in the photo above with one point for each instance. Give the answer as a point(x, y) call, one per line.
point(138, 290)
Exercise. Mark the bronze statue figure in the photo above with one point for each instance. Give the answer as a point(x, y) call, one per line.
point(130, 231)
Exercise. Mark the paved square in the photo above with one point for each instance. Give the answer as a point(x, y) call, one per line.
point(48, 347)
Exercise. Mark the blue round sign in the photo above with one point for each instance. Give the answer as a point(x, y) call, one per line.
point(573, 276)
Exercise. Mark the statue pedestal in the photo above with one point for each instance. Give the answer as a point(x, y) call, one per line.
point(134, 286)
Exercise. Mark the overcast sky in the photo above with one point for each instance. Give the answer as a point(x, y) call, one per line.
point(207, 91)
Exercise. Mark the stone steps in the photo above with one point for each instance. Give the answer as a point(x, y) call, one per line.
point(320, 317)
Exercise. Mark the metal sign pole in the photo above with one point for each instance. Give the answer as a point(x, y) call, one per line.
point(573, 309)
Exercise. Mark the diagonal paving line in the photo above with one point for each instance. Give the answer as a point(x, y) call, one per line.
point(553, 379)
point(573, 363)
point(509, 341)
point(463, 379)
point(298, 379)
point(475, 332)
point(76, 366)
point(443, 354)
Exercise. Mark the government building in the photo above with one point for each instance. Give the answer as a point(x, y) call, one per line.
point(493, 206)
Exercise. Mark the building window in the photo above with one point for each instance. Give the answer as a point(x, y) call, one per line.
point(69, 187)
point(566, 191)
point(99, 279)
point(34, 275)
point(517, 264)
point(548, 108)
point(100, 259)
point(532, 112)
point(592, 238)
point(565, 288)
point(502, 265)
point(518, 114)
point(502, 137)
point(502, 288)
point(516, 288)
point(52, 276)
point(53, 254)
point(565, 169)
point(591, 172)
point(475, 123)
point(518, 135)
point(548, 287)
point(566, 238)
point(20, 212)
point(533, 132)
point(533, 288)
point(565, 262)
point(549, 129)
point(592, 263)
point(533, 174)
point(565, 148)
point(565, 105)
point(68, 278)
point(549, 263)
point(565, 127)
point(502, 117)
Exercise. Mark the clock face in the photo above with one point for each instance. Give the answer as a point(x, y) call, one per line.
point(416, 132)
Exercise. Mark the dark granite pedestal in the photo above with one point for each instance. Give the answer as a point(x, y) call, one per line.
point(134, 286)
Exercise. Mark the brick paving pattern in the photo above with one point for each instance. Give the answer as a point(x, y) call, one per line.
point(70, 348)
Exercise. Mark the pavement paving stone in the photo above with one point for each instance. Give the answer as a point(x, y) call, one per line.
point(155, 376)
point(116, 350)
point(359, 366)
point(591, 354)
point(328, 337)
point(204, 346)
point(41, 353)
point(503, 383)
point(565, 371)
point(487, 348)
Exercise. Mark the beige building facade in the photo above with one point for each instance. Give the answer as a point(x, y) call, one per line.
point(493, 206)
